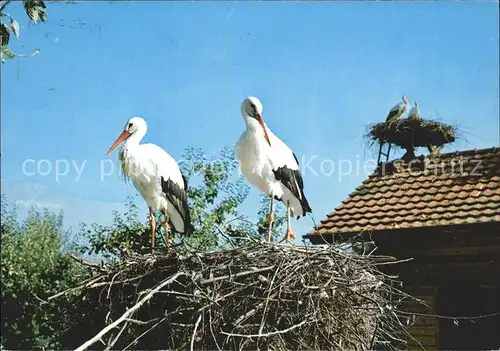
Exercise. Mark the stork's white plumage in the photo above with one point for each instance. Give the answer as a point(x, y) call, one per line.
point(270, 165)
point(156, 176)
point(414, 112)
point(398, 110)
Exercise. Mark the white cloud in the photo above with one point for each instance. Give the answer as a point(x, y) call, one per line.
point(41, 205)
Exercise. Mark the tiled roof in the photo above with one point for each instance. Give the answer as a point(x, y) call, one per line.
point(453, 188)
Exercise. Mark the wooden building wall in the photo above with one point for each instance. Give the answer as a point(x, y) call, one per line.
point(424, 330)
point(456, 271)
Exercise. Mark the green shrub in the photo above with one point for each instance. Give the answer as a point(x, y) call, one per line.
point(33, 268)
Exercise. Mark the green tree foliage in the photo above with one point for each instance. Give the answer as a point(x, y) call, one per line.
point(127, 232)
point(33, 268)
point(241, 228)
point(215, 192)
point(36, 11)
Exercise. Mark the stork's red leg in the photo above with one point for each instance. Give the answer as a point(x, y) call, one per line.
point(165, 226)
point(153, 226)
point(270, 218)
point(289, 234)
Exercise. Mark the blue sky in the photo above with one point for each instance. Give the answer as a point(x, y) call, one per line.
point(323, 71)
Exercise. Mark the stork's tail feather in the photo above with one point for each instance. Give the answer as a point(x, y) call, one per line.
point(305, 207)
point(178, 198)
point(188, 226)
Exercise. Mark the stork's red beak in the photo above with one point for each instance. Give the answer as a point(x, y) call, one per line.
point(123, 136)
point(258, 117)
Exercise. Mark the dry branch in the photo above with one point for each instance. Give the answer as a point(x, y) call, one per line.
point(261, 296)
point(129, 312)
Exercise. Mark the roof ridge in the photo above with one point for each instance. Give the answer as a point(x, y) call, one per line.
point(485, 150)
point(493, 149)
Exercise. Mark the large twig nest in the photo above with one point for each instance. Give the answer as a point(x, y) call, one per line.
point(409, 133)
point(262, 296)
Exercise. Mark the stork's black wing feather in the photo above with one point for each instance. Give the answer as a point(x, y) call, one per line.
point(185, 182)
point(292, 180)
point(178, 198)
point(391, 115)
point(300, 181)
point(394, 113)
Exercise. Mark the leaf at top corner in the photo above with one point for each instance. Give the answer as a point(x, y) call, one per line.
point(15, 27)
point(43, 15)
point(35, 9)
point(4, 34)
point(31, 11)
point(6, 53)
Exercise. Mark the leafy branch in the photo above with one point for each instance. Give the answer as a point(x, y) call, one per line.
point(35, 9)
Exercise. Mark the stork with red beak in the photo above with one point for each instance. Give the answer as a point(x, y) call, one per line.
point(157, 177)
point(270, 165)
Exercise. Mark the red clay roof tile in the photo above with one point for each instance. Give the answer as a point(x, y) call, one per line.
point(453, 188)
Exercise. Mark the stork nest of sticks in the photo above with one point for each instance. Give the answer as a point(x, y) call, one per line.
point(409, 133)
point(260, 296)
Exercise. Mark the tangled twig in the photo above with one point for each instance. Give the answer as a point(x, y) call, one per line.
point(129, 312)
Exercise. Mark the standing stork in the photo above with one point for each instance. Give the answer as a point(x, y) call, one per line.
point(414, 112)
point(156, 176)
point(269, 165)
point(397, 111)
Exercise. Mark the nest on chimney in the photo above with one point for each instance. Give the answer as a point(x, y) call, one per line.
point(409, 133)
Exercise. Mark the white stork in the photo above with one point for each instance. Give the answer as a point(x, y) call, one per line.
point(156, 176)
point(269, 165)
point(414, 112)
point(398, 110)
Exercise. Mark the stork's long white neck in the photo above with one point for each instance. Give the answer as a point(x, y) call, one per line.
point(135, 139)
point(256, 132)
point(406, 104)
point(253, 126)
